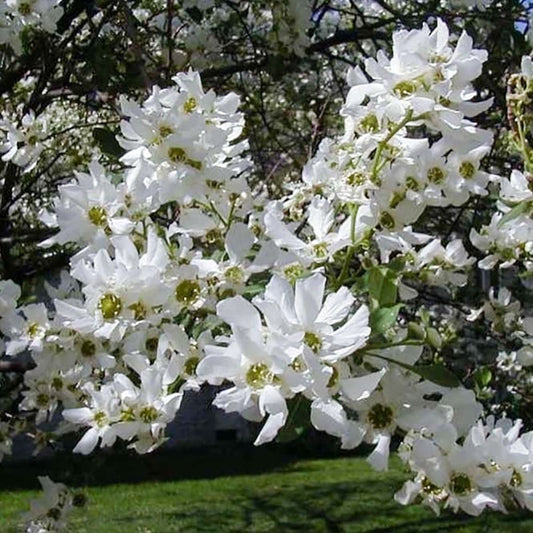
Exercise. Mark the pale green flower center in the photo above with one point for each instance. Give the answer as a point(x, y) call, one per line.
point(127, 415)
point(88, 348)
point(165, 130)
point(100, 418)
point(355, 179)
point(187, 291)
point(190, 366)
point(34, 329)
point(437, 58)
point(298, 365)
point(429, 488)
point(25, 8)
point(151, 344)
point(313, 341)
point(148, 414)
point(320, 250)
point(42, 399)
point(139, 310)
point(32, 140)
point(213, 235)
point(293, 272)
point(380, 416)
point(467, 170)
point(516, 479)
point(405, 88)
point(460, 484)
point(190, 105)
point(178, 155)
point(234, 274)
point(110, 306)
point(98, 216)
point(436, 175)
point(387, 220)
point(258, 375)
point(370, 123)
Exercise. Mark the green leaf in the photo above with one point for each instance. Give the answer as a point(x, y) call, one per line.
point(253, 289)
point(482, 377)
point(384, 318)
point(382, 287)
point(435, 373)
point(107, 142)
point(360, 284)
point(416, 331)
point(515, 212)
point(434, 338)
point(438, 374)
point(397, 264)
point(424, 315)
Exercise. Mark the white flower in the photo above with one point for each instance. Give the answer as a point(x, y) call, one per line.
point(87, 210)
point(146, 410)
point(49, 513)
point(325, 241)
point(22, 145)
point(304, 314)
point(103, 411)
point(125, 290)
point(16, 15)
point(255, 366)
point(27, 332)
point(516, 188)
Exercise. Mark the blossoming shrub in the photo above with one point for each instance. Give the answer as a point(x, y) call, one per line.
point(304, 306)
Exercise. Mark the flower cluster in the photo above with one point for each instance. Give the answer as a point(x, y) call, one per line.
point(181, 146)
point(121, 409)
point(22, 145)
point(491, 468)
point(382, 162)
point(49, 513)
point(290, 22)
point(508, 238)
point(189, 138)
point(18, 16)
point(513, 325)
point(298, 352)
point(185, 275)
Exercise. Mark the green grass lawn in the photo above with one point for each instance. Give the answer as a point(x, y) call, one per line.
point(236, 489)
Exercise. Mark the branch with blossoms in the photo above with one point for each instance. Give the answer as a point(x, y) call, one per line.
point(185, 275)
point(64, 65)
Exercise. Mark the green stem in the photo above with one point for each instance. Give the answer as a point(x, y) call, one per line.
point(391, 345)
point(211, 207)
point(231, 213)
point(524, 146)
point(383, 143)
point(215, 210)
point(389, 360)
point(351, 249)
